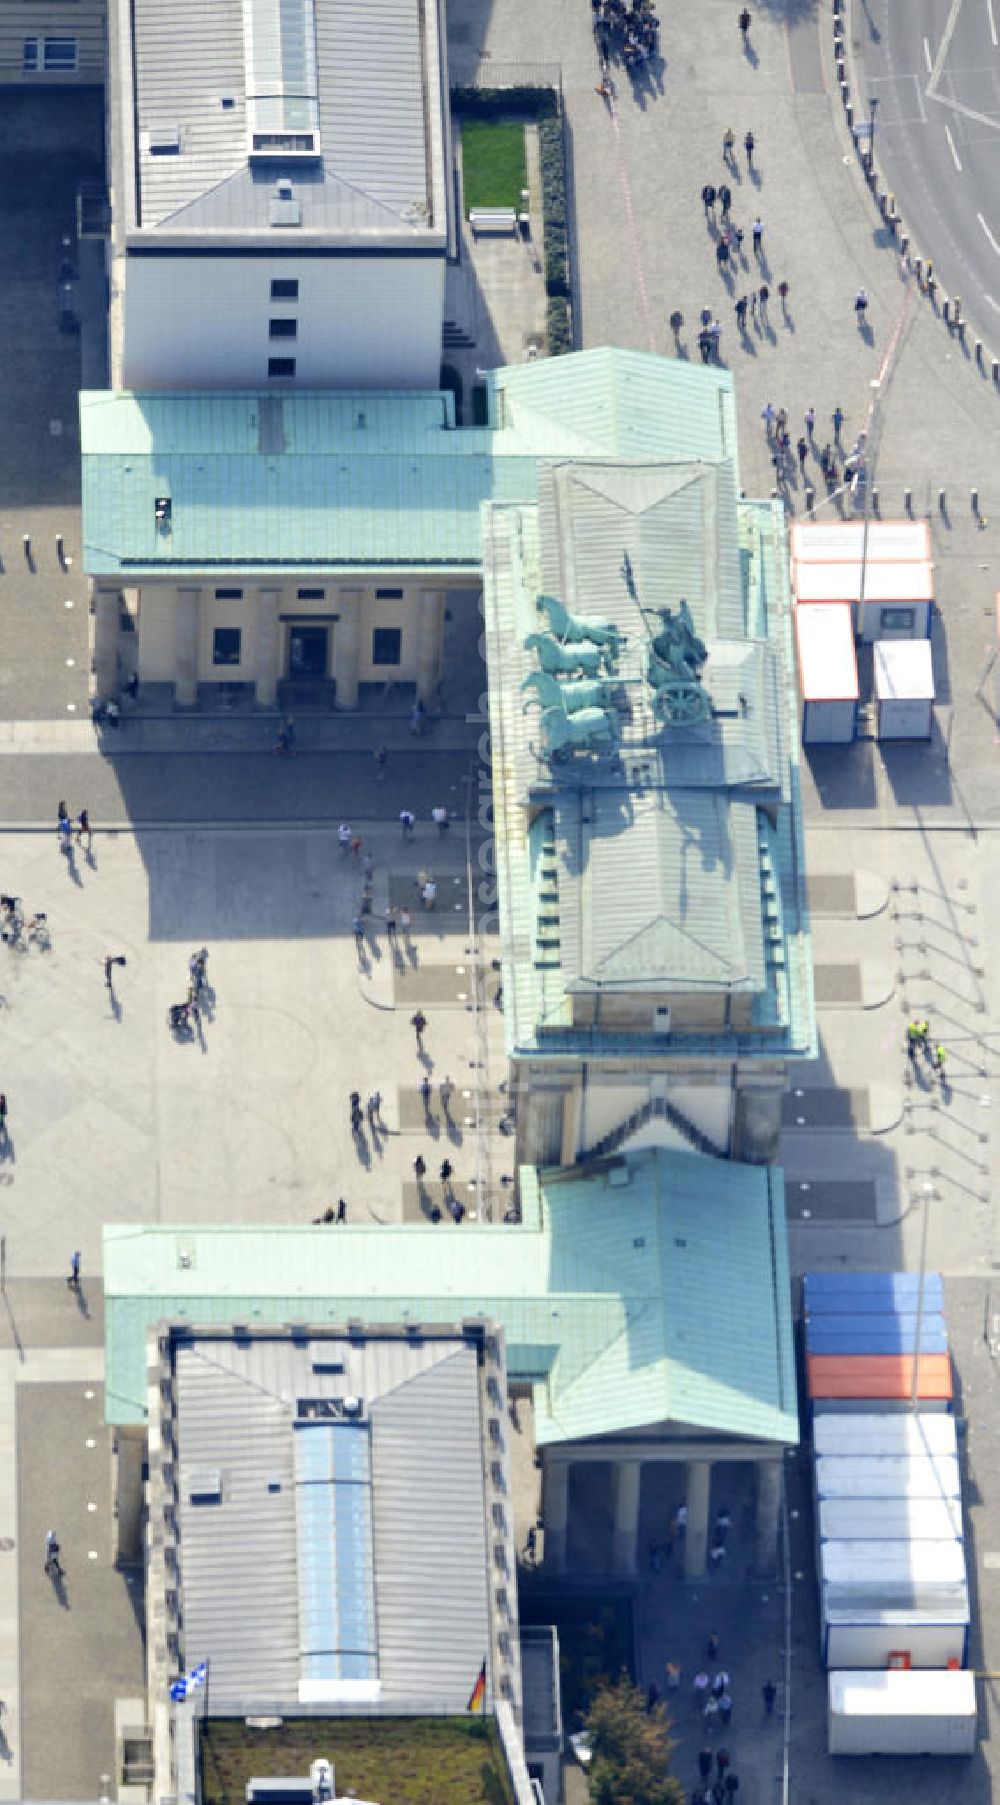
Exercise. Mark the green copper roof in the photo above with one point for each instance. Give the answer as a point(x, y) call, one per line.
point(307, 480)
point(655, 1289)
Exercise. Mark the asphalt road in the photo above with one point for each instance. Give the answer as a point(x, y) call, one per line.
point(934, 68)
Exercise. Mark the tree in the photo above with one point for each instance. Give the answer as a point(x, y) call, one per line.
point(631, 1749)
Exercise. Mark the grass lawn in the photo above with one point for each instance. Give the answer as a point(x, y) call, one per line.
point(403, 1760)
point(494, 170)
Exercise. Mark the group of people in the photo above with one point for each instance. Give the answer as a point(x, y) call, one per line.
point(184, 1016)
point(628, 32)
point(918, 1040)
point(67, 833)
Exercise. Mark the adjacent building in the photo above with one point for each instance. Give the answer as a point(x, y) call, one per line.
point(644, 1305)
point(52, 43)
point(328, 1529)
point(280, 193)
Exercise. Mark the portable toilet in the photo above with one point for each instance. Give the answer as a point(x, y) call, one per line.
point(828, 673)
point(904, 689)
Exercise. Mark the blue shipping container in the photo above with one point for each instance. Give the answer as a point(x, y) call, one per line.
point(885, 1335)
point(854, 1293)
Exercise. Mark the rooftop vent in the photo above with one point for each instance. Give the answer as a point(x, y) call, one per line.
point(162, 510)
point(284, 213)
point(204, 1486)
point(165, 141)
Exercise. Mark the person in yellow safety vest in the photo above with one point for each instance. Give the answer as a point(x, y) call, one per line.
point(916, 1037)
point(940, 1057)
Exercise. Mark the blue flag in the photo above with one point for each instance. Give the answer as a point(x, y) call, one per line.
point(189, 1682)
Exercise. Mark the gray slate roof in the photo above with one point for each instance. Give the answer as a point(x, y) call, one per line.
point(374, 171)
point(240, 1560)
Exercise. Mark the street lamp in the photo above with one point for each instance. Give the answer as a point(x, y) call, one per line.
point(919, 1324)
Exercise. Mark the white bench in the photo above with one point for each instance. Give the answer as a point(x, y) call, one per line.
point(493, 219)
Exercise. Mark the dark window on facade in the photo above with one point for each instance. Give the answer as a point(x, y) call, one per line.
point(898, 620)
point(284, 328)
point(281, 366)
point(387, 645)
point(226, 645)
point(312, 595)
point(285, 288)
point(389, 595)
point(229, 595)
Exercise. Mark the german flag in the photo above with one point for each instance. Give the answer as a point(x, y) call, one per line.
point(478, 1693)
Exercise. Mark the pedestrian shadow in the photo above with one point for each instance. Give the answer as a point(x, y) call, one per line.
point(787, 321)
point(206, 1001)
point(412, 954)
point(91, 861)
point(362, 1149)
point(364, 958)
point(60, 1589)
point(425, 1059)
point(81, 1301)
point(867, 335)
point(769, 333)
point(72, 869)
point(756, 178)
point(115, 1006)
point(432, 1126)
point(8, 1154)
point(428, 1208)
point(682, 352)
point(750, 53)
point(747, 342)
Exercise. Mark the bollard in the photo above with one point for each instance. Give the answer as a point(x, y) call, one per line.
point(845, 92)
point(810, 498)
point(26, 542)
point(849, 113)
point(875, 501)
point(974, 500)
point(60, 548)
point(996, 369)
point(918, 269)
point(956, 307)
point(907, 501)
point(979, 350)
point(892, 205)
point(942, 501)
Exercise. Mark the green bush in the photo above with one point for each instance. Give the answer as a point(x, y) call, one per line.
point(489, 103)
point(556, 237)
point(558, 326)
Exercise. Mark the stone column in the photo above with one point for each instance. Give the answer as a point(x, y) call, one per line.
point(428, 659)
point(699, 1481)
point(625, 1491)
point(757, 1117)
point(555, 1513)
point(106, 607)
point(345, 647)
point(267, 648)
point(187, 623)
point(768, 1504)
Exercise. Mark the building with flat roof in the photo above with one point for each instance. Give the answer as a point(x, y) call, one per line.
point(328, 1524)
point(607, 1293)
point(280, 193)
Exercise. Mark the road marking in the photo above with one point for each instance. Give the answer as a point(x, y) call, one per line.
point(989, 234)
point(927, 56)
point(993, 23)
point(951, 147)
point(956, 106)
point(994, 304)
point(935, 75)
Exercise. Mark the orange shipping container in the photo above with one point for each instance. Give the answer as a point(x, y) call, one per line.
point(877, 1376)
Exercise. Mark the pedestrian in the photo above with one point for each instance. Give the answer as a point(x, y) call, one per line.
point(674, 1673)
point(741, 313)
point(65, 833)
point(744, 25)
point(783, 295)
point(369, 866)
point(810, 420)
point(729, 146)
point(763, 296)
point(704, 346)
point(52, 1563)
point(680, 1522)
point(708, 198)
point(425, 1095)
point(722, 1761)
point(439, 816)
point(83, 827)
point(676, 322)
point(749, 144)
point(731, 1785)
point(418, 1023)
point(429, 893)
point(73, 1281)
point(722, 256)
point(717, 1554)
point(374, 1107)
point(713, 1645)
point(915, 1038)
point(802, 448)
point(710, 1712)
point(706, 315)
point(725, 200)
point(725, 1703)
point(341, 1209)
point(838, 420)
point(700, 1685)
point(407, 821)
point(381, 757)
point(705, 1763)
point(720, 1683)
point(940, 1058)
point(3, 1115)
point(769, 1693)
point(418, 717)
point(445, 1090)
point(861, 305)
point(284, 745)
point(345, 836)
point(781, 421)
point(456, 1210)
point(758, 239)
point(355, 846)
point(753, 305)
point(391, 923)
point(736, 242)
point(404, 923)
point(420, 1167)
point(359, 932)
point(446, 1172)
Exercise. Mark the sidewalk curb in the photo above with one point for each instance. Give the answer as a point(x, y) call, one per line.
point(982, 357)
